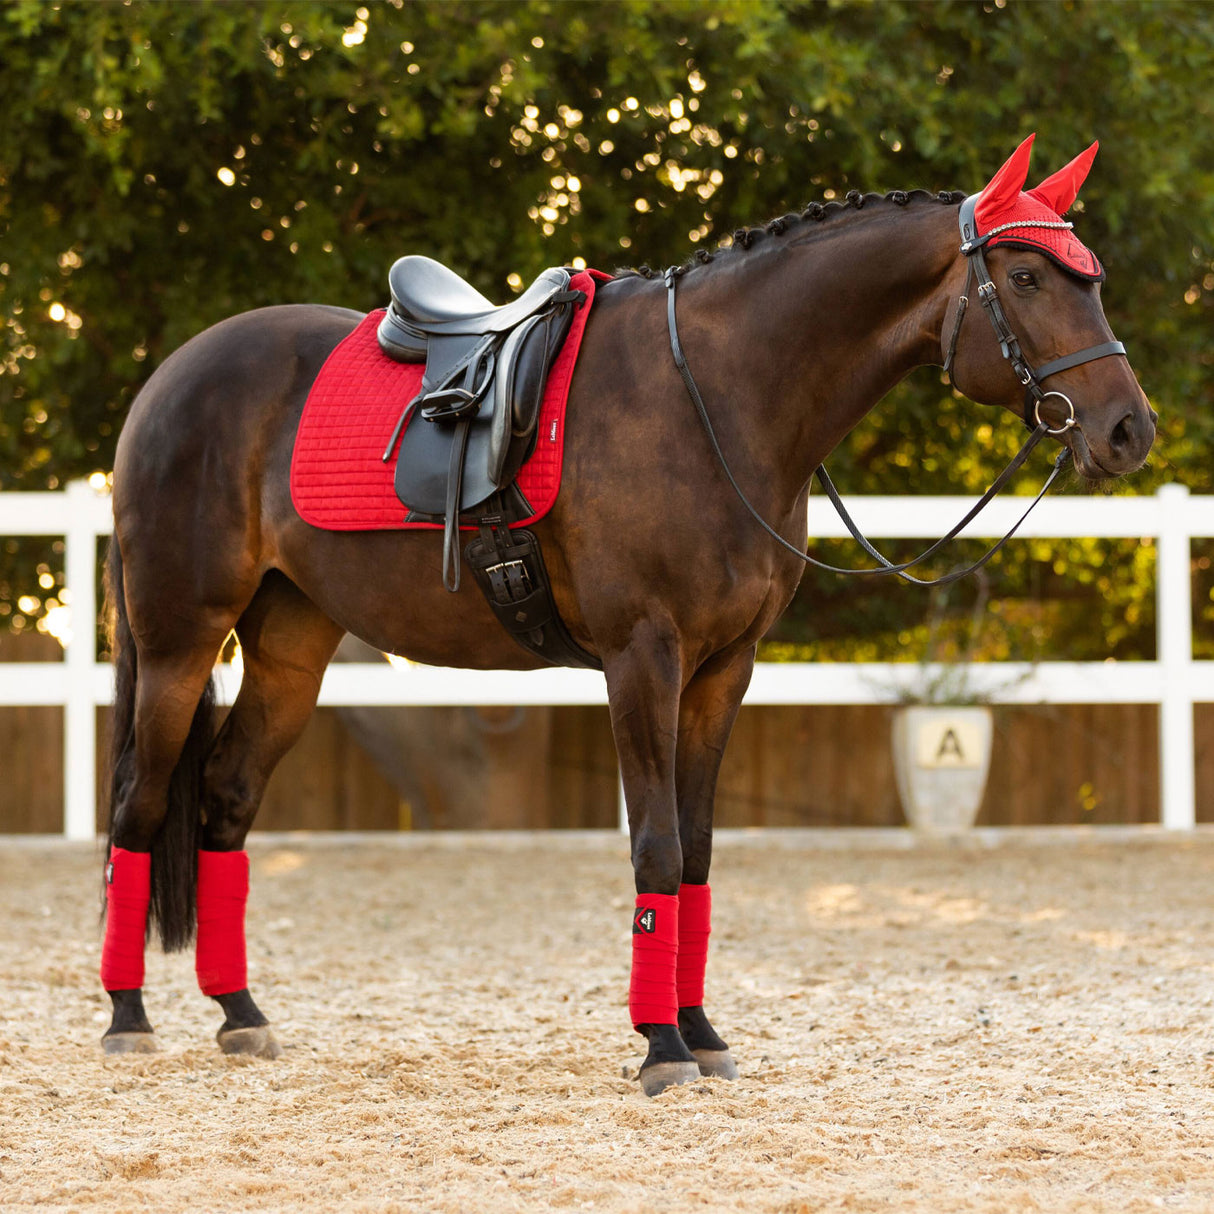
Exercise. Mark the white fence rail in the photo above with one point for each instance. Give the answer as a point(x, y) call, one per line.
point(1174, 680)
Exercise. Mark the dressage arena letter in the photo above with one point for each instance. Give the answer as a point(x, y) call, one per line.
point(948, 742)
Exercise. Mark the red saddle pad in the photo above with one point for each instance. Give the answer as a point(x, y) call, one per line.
point(338, 478)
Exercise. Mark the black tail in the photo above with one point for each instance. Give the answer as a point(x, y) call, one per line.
point(175, 846)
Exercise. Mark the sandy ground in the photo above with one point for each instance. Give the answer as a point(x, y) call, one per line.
point(1019, 1027)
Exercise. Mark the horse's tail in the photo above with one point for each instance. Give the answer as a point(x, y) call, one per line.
point(175, 844)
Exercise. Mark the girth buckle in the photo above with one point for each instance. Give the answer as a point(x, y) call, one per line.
point(512, 577)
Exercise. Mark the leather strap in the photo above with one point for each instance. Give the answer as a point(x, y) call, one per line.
point(885, 567)
point(509, 569)
point(956, 575)
point(455, 484)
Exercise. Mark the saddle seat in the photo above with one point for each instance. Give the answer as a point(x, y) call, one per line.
point(486, 370)
point(430, 300)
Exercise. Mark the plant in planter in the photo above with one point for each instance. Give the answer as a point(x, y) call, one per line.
point(943, 730)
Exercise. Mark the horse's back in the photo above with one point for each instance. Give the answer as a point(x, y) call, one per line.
point(229, 375)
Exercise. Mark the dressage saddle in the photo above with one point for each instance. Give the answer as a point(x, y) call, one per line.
point(480, 398)
point(486, 368)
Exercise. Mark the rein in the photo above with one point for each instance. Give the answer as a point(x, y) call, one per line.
point(1035, 395)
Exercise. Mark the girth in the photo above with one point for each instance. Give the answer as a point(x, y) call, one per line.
point(509, 569)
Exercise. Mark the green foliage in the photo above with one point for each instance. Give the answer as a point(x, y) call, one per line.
point(165, 165)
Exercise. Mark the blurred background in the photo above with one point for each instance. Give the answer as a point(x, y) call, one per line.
point(163, 166)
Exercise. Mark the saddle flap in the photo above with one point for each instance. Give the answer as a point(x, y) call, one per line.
point(424, 464)
point(523, 365)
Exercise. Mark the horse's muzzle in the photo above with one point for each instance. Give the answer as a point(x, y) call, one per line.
point(1105, 451)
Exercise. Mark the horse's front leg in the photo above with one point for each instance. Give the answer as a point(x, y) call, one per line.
point(644, 682)
point(707, 712)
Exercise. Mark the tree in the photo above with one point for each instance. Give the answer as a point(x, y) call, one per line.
point(163, 166)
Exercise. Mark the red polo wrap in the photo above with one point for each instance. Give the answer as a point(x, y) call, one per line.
point(655, 949)
point(695, 924)
point(128, 890)
point(223, 892)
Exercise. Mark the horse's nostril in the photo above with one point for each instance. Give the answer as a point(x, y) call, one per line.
point(1122, 433)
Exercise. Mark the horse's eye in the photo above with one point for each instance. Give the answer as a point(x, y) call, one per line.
point(1023, 279)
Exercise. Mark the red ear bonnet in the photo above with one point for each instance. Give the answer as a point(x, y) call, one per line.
point(1002, 194)
point(1033, 220)
point(1060, 191)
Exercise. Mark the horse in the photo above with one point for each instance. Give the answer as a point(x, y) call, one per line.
point(794, 331)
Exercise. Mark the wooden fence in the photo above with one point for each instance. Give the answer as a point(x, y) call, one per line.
point(554, 766)
point(1090, 741)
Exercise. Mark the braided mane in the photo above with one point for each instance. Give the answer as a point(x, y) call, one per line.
point(816, 212)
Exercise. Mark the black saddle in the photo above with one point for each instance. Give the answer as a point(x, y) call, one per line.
point(486, 368)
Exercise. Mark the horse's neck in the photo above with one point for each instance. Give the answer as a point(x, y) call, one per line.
point(824, 322)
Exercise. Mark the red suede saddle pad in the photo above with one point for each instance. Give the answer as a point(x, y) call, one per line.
point(339, 481)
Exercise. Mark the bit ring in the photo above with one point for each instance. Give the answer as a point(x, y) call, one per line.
point(1066, 425)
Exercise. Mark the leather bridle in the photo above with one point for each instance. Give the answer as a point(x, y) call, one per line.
point(1035, 395)
point(977, 272)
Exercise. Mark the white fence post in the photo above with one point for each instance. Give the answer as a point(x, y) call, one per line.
point(1174, 629)
point(79, 709)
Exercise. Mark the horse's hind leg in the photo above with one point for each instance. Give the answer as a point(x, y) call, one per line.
point(171, 720)
point(706, 715)
point(286, 644)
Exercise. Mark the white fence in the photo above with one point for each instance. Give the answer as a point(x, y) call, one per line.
point(1174, 680)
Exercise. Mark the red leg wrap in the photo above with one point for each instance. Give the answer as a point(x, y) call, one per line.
point(128, 889)
point(223, 891)
point(655, 947)
point(695, 918)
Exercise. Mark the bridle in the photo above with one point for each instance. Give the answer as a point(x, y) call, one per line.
point(976, 271)
point(1034, 396)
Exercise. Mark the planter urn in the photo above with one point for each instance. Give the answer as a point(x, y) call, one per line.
point(942, 756)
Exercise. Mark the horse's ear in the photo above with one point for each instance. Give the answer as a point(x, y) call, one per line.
point(1004, 188)
point(1060, 190)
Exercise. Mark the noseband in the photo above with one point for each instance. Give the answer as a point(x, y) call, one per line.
point(1034, 396)
point(977, 272)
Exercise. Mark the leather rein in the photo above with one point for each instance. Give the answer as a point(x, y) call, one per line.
point(1034, 396)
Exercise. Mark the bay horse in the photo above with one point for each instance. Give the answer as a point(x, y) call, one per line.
point(794, 333)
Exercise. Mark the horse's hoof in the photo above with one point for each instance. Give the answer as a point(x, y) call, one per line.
point(130, 1043)
point(257, 1042)
point(662, 1075)
point(717, 1064)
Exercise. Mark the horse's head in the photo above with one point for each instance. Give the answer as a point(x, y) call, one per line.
point(1032, 335)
